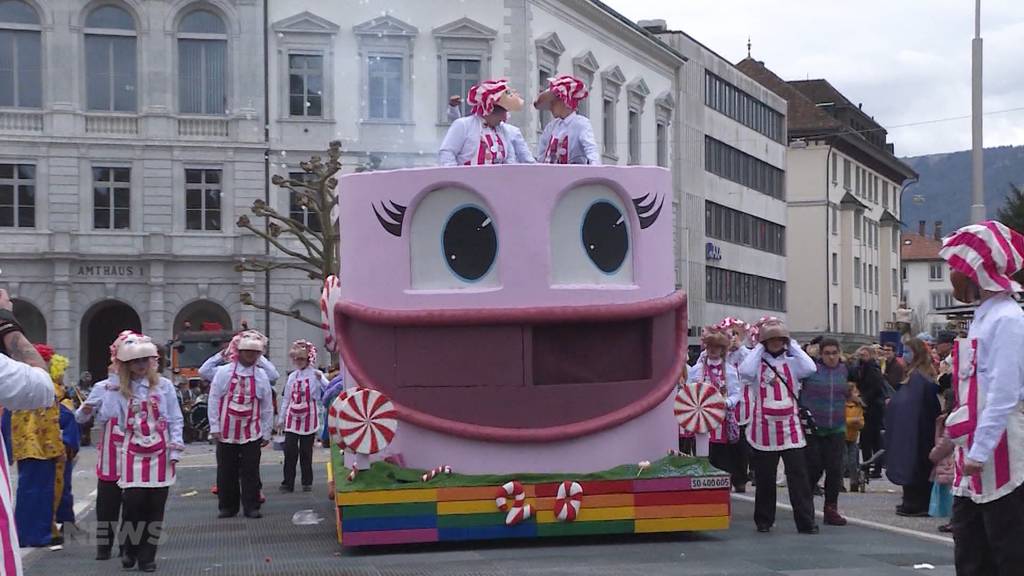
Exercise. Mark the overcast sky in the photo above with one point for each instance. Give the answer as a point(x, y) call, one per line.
point(907, 61)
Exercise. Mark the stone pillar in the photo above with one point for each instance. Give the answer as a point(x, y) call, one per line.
point(61, 332)
point(157, 328)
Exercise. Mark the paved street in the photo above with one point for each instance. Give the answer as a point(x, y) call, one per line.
point(199, 544)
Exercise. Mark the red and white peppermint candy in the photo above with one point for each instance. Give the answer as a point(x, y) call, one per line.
point(367, 421)
point(518, 514)
point(510, 495)
point(334, 420)
point(699, 407)
point(568, 501)
point(330, 296)
point(436, 471)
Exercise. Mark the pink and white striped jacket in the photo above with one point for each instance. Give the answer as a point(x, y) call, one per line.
point(241, 404)
point(108, 459)
point(775, 424)
point(298, 411)
point(988, 422)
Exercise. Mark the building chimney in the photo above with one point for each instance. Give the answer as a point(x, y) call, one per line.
point(938, 229)
point(922, 228)
point(654, 26)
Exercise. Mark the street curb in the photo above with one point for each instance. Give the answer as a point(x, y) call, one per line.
point(865, 523)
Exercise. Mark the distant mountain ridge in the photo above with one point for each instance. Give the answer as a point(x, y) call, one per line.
point(944, 191)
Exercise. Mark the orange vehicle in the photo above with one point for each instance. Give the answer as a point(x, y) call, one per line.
point(190, 348)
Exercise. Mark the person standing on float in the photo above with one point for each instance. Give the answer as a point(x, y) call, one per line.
point(241, 414)
point(299, 415)
point(484, 137)
point(568, 138)
point(774, 368)
point(987, 424)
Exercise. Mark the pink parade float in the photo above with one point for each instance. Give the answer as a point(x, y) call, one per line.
point(519, 325)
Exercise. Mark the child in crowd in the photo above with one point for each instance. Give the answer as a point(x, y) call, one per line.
point(941, 505)
point(854, 424)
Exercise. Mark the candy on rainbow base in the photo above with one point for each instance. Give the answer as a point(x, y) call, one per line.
point(521, 324)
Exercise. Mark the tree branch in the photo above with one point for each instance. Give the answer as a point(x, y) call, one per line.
point(243, 222)
point(246, 299)
point(264, 266)
point(298, 229)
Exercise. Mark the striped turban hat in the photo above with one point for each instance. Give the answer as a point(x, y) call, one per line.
point(484, 96)
point(569, 89)
point(988, 253)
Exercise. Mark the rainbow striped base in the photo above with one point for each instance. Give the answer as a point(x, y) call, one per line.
point(409, 515)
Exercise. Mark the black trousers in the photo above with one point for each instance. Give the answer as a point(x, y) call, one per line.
point(732, 458)
point(825, 455)
point(989, 538)
point(108, 514)
point(765, 466)
point(238, 476)
point(143, 522)
point(871, 438)
point(298, 447)
point(917, 496)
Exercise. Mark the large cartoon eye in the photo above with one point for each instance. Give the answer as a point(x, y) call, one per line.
point(590, 238)
point(605, 238)
point(454, 242)
point(469, 242)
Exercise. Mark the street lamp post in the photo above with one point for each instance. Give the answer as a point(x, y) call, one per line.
point(977, 150)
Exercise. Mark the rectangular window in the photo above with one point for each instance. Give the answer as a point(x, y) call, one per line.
point(876, 280)
point(729, 100)
point(895, 284)
point(608, 125)
point(543, 75)
point(885, 195)
point(734, 165)
point(111, 198)
point(846, 174)
point(856, 224)
point(634, 137)
point(202, 199)
point(835, 168)
point(462, 75)
point(662, 145)
point(895, 239)
point(21, 72)
point(17, 196)
point(835, 269)
point(110, 82)
point(941, 299)
point(857, 320)
point(723, 223)
point(857, 188)
point(835, 317)
point(303, 212)
point(856, 272)
point(739, 289)
point(903, 273)
point(935, 271)
point(385, 88)
point(202, 76)
point(874, 190)
point(305, 85)
point(835, 221)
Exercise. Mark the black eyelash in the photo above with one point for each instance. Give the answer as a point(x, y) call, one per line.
point(397, 215)
point(647, 213)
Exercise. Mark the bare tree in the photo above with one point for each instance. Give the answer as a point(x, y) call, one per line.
point(314, 250)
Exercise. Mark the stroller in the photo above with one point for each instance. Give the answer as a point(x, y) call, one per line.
point(197, 423)
point(863, 471)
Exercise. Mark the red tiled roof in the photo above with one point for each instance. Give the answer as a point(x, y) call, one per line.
point(917, 247)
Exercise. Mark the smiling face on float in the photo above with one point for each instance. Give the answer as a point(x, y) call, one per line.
point(511, 303)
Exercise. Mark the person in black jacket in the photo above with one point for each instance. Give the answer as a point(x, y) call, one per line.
point(871, 384)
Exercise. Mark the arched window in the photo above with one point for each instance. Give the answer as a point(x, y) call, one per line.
point(21, 74)
point(32, 321)
point(202, 63)
point(110, 60)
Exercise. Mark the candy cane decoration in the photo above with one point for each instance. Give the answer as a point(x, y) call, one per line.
point(330, 296)
point(352, 474)
point(367, 421)
point(568, 501)
point(334, 420)
point(434, 472)
point(511, 498)
point(699, 407)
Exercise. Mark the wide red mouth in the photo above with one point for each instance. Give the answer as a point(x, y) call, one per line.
point(518, 375)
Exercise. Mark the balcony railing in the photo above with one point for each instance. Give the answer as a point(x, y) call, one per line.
point(112, 125)
point(21, 121)
point(194, 127)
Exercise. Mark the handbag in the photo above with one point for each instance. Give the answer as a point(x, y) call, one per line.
point(803, 412)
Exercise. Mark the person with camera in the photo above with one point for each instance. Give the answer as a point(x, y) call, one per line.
point(24, 385)
point(774, 368)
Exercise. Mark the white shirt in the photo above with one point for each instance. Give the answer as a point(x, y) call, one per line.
point(209, 368)
point(519, 147)
point(219, 388)
point(999, 328)
point(317, 383)
point(95, 399)
point(732, 380)
point(23, 387)
point(800, 365)
point(582, 147)
point(462, 142)
point(111, 403)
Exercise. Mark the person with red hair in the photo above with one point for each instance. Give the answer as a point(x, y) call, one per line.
point(569, 137)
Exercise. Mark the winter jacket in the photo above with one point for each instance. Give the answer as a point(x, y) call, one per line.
point(942, 454)
point(824, 394)
point(854, 419)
